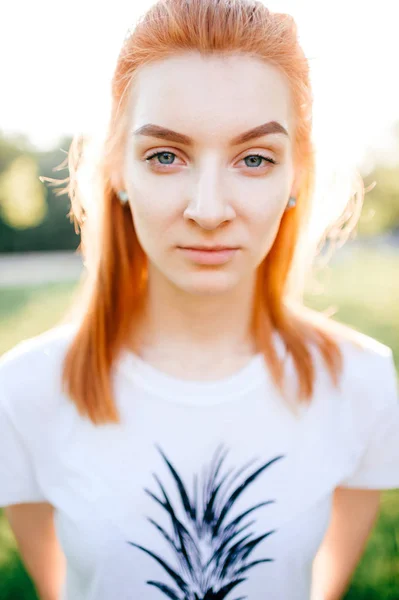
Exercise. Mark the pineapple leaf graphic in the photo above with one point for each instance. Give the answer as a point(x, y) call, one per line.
point(210, 549)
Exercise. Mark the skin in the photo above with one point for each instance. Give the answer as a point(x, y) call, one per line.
point(34, 530)
point(353, 517)
point(212, 193)
point(209, 195)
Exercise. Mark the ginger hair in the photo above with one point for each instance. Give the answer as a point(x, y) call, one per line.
point(109, 300)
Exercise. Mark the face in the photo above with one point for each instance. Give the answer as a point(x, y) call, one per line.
point(206, 186)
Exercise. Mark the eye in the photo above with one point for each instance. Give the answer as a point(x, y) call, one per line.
point(170, 156)
point(161, 154)
point(259, 157)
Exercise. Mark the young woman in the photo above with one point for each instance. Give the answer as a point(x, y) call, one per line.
point(194, 430)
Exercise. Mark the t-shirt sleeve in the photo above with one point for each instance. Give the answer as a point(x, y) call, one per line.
point(18, 483)
point(376, 424)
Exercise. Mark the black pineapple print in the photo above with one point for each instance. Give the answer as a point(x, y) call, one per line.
point(212, 552)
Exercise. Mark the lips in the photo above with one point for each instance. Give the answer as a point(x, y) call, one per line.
point(209, 248)
point(209, 256)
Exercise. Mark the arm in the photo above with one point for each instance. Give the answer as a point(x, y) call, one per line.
point(354, 513)
point(34, 531)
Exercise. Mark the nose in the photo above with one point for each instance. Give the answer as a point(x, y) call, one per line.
point(209, 204)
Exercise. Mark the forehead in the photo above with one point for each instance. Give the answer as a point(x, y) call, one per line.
point(207, 95)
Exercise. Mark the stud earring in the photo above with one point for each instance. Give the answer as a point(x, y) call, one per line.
point(291, 202)
point(123, 197)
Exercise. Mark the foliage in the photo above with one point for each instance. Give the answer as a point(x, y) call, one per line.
point(23, 198)
point(381, 204)
point(32, 216)
point(44, 215)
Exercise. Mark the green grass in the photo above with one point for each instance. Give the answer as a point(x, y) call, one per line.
point(24, 312)
point(362, 285)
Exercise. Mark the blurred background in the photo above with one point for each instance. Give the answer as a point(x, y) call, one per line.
point(55, 75)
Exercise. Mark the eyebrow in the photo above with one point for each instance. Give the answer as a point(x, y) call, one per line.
point(151, 130)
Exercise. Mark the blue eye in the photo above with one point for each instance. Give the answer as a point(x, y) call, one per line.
point(259, 156)
point(164, 153)
point(149, 158)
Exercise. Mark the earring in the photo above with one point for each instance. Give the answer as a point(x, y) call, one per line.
point(123, 197)
point(291, 202)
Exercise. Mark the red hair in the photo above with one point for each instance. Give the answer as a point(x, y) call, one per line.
point(109, 300)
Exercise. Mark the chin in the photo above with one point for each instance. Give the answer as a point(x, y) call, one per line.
point(208, 283)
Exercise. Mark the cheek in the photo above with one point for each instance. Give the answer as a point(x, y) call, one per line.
point(153, 217)
point(264, 212)
point(157, 203)
point(263, 219)
point(267, 200)
point(147, 215)
point(154, 202)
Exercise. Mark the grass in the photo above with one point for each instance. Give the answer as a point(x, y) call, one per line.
point(364, 288)
point(362, 285)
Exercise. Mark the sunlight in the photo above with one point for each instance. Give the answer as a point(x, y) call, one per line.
point(61, 85)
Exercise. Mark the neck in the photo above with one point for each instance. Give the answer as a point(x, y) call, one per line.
point(177, 323)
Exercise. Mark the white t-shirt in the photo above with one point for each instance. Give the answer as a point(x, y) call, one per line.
point(206, 488)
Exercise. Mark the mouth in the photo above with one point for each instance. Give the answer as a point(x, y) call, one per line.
point(209, 248)
point(209, 256)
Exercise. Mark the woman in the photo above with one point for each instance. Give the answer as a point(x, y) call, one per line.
point(197, 431)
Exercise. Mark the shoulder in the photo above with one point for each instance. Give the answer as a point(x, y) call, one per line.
point(30, 371)
point(369, 371)
point(360, 350)
point(368, 368)
point(37, 350)
point(368, 374)
point(363, 356)
point(356, 347)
